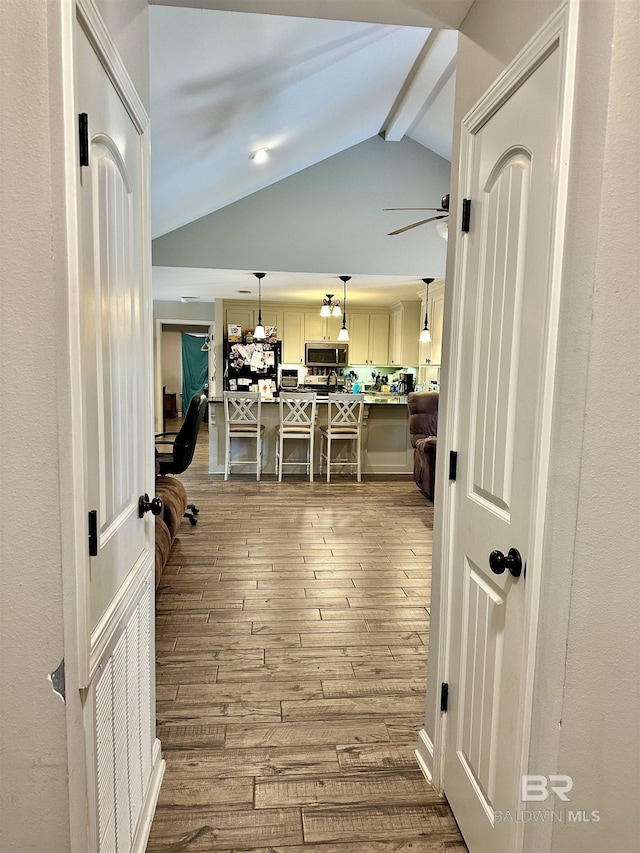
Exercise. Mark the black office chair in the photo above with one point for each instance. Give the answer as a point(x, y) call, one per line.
point(183, 445)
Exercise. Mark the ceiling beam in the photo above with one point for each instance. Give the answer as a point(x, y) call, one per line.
point(419, 13)
point(431, 70)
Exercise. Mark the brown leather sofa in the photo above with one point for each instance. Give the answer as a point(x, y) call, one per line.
point(423, 430)
point(174, 504)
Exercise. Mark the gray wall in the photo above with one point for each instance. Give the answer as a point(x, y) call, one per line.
point(327, 218)
point(586, 687)
point(166, 310)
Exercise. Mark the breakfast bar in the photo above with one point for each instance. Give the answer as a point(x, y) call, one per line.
point(386, 447)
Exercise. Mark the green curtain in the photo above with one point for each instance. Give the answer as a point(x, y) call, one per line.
point(195, 368)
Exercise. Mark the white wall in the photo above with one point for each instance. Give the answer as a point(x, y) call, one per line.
point(585, 720)
point(34, 812)
point(328, 218)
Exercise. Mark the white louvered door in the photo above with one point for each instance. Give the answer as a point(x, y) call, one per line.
point(122, 741)
point(507, 270)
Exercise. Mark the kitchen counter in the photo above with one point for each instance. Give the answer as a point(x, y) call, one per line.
point(386, 448)
point(369, 399)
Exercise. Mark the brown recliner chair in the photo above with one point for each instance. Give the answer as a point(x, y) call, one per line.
point(423, 429)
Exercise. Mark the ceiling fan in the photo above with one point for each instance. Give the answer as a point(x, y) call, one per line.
point(443, 213)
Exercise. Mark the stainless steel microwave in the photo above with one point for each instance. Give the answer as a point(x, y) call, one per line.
point(326, 355)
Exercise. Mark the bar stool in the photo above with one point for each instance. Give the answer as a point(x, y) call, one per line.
point(242, 418)
point(344, 423)
point(297, 420)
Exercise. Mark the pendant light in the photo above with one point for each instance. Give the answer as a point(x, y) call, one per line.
point(330, 307)
point(259, 333)
point(343, 334)
point(425, 335)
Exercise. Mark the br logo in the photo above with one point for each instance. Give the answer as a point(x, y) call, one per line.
point(535, 788)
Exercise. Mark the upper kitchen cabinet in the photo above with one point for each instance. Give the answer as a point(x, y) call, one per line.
point(368, 338)
point(270, 317)
point(239, 314)
point(317, 328)
point(245, 314)
point(293, 337)
point(404, 331)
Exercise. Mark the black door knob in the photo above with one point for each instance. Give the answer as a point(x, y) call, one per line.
point(145, 505)
point(513, 561)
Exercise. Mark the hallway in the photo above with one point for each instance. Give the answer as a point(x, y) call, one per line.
point(292, 632)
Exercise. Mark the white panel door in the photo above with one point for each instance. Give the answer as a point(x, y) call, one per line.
point(115, 346)
point(504, 305)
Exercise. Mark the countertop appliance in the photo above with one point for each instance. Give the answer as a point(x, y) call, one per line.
point(326, 355)
point(288, 379)
point(406, 383)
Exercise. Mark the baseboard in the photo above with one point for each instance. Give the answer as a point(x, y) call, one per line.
point(146, 818)
point(424, 755)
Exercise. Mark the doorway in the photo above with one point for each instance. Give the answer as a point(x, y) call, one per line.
point(168, 363)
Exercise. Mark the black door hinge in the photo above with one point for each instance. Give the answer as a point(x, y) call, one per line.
point(453, 464)
point(83, 138)
point(93, 533)
point(444, 697)
point(466, 215)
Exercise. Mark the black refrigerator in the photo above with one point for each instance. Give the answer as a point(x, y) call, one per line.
point(249, 365)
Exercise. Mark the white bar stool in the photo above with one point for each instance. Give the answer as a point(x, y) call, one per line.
point(297, 420)
point(242, 418)
point(344, 423)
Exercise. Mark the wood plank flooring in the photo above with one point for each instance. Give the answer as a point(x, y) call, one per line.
point(292, 629)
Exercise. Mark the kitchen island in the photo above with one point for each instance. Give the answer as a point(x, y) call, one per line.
point(386, 449)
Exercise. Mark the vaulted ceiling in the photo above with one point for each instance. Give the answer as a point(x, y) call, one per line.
point(225, 83)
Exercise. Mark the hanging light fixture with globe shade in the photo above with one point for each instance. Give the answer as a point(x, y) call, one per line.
point(259, 333)
point(425, 335)
point(343, 334)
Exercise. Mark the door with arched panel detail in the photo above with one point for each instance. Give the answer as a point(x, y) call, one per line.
point(506, 273)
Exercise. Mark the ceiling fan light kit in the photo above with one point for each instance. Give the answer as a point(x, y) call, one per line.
point(260, 155)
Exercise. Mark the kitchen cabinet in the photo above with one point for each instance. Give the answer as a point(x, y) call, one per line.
point(245, 314)
point(404, 331)
point(358, 338)
point(379, 339)
point(317, 328)
point(239, 315)
point(369, 338)
point(270, 317)
point(293, 337)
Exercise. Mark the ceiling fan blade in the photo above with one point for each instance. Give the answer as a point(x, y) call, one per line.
point(414, 225)
point(439, 209)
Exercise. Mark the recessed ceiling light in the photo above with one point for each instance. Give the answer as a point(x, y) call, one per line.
point(260, 155)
